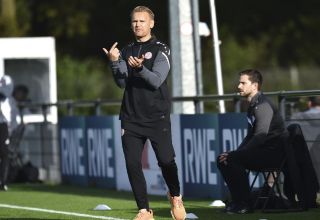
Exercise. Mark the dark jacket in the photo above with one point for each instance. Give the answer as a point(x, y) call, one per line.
point(265, 125)
point(300, 177)
point(146, 97)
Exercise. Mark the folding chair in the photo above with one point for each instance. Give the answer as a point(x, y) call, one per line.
point(275, 173)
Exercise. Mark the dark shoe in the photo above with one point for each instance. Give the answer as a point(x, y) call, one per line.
point(3, 187)
point(229, 206)
point(240, 209)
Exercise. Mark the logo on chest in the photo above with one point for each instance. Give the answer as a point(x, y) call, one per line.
point(148, 55)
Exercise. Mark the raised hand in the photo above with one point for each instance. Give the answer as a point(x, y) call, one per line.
point(135, 62)
point(114, 53)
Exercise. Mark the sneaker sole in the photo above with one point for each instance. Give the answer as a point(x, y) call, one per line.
point(175, 218)
point(151, 219)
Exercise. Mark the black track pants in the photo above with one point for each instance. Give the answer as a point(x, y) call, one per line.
point(235, 174)
point(133, 140)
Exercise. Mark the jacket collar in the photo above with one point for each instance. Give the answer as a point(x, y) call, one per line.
point(152, 39)
point(255, 99)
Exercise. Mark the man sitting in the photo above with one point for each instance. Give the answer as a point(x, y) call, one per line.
point(261, 148)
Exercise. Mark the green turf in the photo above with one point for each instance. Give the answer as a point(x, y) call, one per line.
point(84, 199)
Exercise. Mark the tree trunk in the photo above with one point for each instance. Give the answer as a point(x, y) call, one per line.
point(8, 23)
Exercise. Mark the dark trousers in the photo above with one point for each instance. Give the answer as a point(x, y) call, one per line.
point(4, 153)
point(235, 173)
point(133, 141)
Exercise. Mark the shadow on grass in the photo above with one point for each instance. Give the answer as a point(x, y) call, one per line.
point(208, 213)
point(83, 191)
point(70, 190)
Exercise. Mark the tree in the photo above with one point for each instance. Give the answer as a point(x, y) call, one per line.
point(10, 24)
point(86, 79)
point(274, 36)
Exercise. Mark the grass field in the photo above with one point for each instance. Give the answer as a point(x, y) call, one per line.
point(40, 201)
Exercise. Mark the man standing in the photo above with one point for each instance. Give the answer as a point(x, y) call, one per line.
point(261, 148)
point(141, 68)
point(8, 122)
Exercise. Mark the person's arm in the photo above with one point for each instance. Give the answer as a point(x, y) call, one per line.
point(244, 141)
point(159, 72)
point(10, 112)
point(119, 72)
point(118, 65)
point(263, 115)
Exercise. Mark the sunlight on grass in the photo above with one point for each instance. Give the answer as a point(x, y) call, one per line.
point(83, 200)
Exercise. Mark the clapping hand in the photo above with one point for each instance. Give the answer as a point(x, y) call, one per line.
point(135, 62)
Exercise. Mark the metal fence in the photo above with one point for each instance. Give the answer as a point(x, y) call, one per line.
point(40, 143)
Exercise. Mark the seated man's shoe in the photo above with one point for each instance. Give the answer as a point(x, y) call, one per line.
point(144, 215)
point(178, 211)
point(229, 206)
point(240, 209)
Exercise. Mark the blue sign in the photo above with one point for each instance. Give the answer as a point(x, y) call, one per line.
point(232, 130)
point(200, 147)
point(101, 151)
point(73, 150)
point(88, 150)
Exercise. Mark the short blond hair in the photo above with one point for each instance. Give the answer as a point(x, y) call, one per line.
point(143, 9)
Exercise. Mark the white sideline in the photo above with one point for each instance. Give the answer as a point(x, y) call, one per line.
point(57, 212)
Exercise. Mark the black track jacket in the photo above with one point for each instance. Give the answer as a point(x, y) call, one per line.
point(265, 125)
point(146, 96)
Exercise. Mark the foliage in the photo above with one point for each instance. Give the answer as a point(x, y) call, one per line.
point(289, 28)
point(276, 37)
point(10, 23)
point(89, 25)
point(87, 79)
point(78, 78)
point(273, 36)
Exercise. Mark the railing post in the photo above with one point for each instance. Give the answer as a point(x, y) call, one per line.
point(21, 113)
point(237, 104)
point(43, 128)
point(44, 113)
point(70, 108)
point(282, 106)
point(97, 107)
point(197, 105)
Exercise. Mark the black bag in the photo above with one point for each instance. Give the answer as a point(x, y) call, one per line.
point(274, 202)
point(28, 173)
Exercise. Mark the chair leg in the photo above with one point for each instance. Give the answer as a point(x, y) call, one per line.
point(277, 178)
point(254, 180)
point(251, 187)
point(267, 197)
point(275, 186)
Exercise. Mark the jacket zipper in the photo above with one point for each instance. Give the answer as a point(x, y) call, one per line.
point(140, 47)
